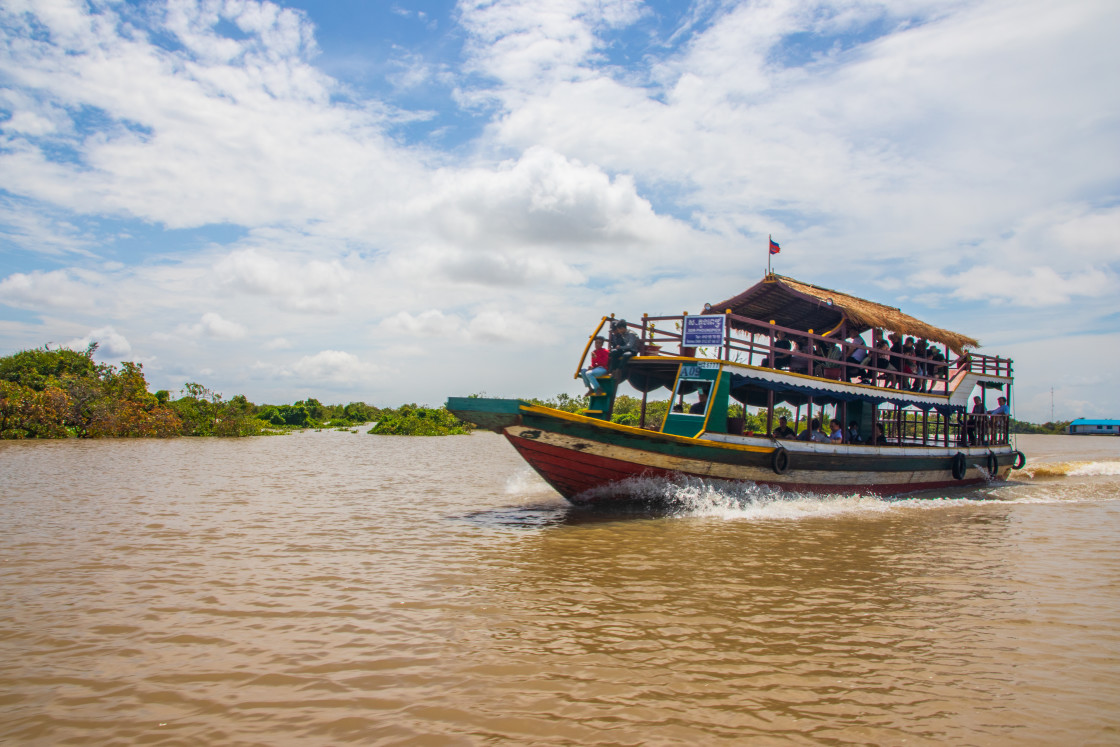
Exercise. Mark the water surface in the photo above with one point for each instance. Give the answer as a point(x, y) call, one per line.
point(335, 588)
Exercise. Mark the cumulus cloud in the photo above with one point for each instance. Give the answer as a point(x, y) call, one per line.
point(204, 130)
point(541, 198)
point(430, 323)
point(212, 326)
point(497, 326)
point(1035, 286)
point(603, 155)
point(334, 366)
point(313, 285)
point(61, 289)
point(110, 342)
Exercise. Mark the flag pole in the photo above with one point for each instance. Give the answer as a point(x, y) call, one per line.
point(770, 239)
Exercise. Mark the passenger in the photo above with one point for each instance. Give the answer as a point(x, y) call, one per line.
point(878, 438)
point(801, 363)
point(906, 363)
point(885, 367)
point(783, 430)
point(853, 433)
point(813, 433)
point(781, 360)
point(973, 426)
point(937, 362)
point(857, 355)
point(599, 360)
point(1003, 409)
point(836, 433)
point(700, 407)
point(896, 350)
point(921, 352)
point(624, 346)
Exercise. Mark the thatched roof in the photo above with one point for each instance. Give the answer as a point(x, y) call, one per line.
point(791, 303)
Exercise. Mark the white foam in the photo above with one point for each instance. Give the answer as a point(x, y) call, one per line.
point(690, 496)
point(1035, 470)
point(1096, 468)
point(526, 482)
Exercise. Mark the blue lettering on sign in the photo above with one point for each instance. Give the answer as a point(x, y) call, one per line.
point(703, 330)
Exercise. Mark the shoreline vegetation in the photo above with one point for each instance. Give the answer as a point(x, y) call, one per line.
point(62, 393)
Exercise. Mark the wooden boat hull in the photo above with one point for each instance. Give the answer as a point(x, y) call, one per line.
point(588, 460)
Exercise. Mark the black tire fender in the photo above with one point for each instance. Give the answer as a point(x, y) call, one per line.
point(779, 461)
point(993, 464)
point(959, 466)
point(1020, 460)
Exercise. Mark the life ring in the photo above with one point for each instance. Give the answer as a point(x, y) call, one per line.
point(993, 464)
point(959, 466)
point(1020, 460)
point(779, 461)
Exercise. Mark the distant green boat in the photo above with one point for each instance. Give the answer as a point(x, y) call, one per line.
point(903, 409)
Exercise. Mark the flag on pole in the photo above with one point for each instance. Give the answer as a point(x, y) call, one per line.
point(774, 248)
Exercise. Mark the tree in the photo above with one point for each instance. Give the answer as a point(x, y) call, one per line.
point(413, 420)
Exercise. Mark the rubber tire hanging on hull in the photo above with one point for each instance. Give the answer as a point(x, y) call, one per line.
point(779, 461)
point(1020, 460)
point(959, 466)
point(993, 464)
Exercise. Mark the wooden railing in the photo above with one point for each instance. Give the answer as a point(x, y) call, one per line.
point(661, 335)
point(905, 427)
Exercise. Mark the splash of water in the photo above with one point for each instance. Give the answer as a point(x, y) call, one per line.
point(1054, 470)
point(683, 495)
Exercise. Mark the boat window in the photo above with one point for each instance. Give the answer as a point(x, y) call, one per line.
point(691, 396)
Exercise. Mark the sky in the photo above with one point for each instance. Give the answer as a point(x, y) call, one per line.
point(397, 202)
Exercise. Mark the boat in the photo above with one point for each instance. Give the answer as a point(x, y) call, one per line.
point(917, 414)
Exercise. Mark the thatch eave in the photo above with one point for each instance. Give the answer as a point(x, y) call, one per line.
point(791, 303)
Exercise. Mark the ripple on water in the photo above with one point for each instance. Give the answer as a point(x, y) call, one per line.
point(328, 588)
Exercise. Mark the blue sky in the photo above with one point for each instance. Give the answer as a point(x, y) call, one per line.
point(397, 202)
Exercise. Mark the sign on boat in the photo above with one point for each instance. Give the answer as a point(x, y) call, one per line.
point(912, 401)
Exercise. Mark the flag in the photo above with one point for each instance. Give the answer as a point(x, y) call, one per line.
point(774, 248)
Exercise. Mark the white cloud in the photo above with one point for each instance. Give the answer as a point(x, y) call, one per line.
point(110, 343)
point(496, 326)
point(430, 323)
point(313, 285)
point(201, 134)
point(335, 367)
point(65, 289)
point(943, 153)
point(1034, 286)
point(212, 326)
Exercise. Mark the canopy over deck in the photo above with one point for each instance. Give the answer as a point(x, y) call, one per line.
point(791, 303)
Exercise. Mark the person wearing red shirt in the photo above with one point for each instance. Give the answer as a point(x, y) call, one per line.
point(598, 367)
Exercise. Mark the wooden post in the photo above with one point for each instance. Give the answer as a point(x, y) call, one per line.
point(770, 358)
point(769, 412)
point(684, 315)
point(727, 342)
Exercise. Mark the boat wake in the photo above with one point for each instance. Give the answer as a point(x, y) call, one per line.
point(1056, 470)
point(692, 496)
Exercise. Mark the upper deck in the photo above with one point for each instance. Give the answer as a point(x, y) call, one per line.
point(763, 360)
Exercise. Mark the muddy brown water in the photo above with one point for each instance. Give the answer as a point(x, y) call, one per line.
point(340, 588)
